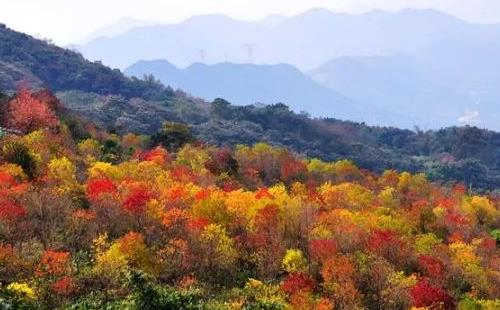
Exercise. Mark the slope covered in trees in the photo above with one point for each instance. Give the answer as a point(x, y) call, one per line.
point(95, 220)
point(464, 154)
point(23, 57)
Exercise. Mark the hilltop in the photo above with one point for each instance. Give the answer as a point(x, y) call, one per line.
point(23, 57)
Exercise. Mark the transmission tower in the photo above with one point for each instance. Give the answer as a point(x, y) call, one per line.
point(250, 50)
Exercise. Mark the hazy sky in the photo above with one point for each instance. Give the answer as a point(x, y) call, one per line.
point(68, 21)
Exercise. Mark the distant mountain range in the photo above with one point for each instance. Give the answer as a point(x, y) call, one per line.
point(389, 90)
point(449, 82)
point(119, 27)
point(304, 41)
point(245, 84)
point(413, 67)
point(396, 84)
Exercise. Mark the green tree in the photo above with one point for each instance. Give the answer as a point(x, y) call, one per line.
point(17, 153)
point(221, 108)
point(173, 135)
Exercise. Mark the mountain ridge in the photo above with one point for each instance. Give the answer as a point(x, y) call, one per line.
point(246, 84)
point(395, 83)
point(292, 35)
point(55, 67)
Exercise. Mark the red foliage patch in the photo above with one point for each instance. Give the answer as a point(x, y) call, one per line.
point(257, 240)
point(296, 282)
point(203, 194)
point(230, 186)
point(196, 225)
point(175, 193)
point(158, 155)
point(63, 286)
point(53, 263)
point(322, 249)
point(338, 269)
point(10, 211)
point(420, 204)
point(456, 220)
point(424, 294)
point(267, 218)
point(447, 203)
point(381, 239)
point(6, 180)
point(136, 201)
point(488, 244)
point(388, 244)
point(98, 187)
point(263, 193)
point(455, 237)
point(293, 170)
point(459, 189)
point(431, 266)
point(27, 113)
point(49, 99)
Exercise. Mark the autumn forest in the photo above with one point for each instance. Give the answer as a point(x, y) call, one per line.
point(92, 219)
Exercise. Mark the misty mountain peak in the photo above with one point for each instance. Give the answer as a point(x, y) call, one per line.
point(210, 20)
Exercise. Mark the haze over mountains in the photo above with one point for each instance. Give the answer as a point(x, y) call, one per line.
point(413, 67)
point(397, 84)
point(119, 27)
point(304, 41)
point(245, 84)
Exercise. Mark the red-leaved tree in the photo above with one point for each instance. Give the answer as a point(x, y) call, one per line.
point(296, 282)
point(27, 113)
point(98, 187)
point(136, 201)
point(424, 294)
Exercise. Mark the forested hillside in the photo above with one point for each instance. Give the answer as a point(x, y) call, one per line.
point(464, 154)
point(24, 58)
point(113, 101)
point(91, 219)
